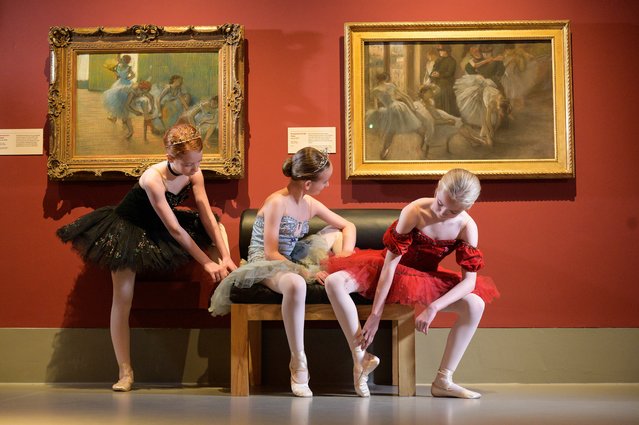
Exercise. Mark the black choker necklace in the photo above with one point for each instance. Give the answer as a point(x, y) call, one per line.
point(168, 165)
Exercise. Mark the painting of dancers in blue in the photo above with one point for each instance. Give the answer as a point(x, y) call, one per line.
point(126, 101)
point(448, 101)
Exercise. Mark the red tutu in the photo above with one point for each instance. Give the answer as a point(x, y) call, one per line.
point(418, 278)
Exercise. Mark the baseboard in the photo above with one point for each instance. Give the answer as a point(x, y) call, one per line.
point(201, 356)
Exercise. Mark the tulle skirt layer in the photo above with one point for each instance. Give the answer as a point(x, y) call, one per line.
point(410, 286)
point(306, 257)
point(397, 118)
point(104, 238)
point(115, 100)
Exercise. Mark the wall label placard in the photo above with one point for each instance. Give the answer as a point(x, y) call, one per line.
point(23, 141)
point(318, 137)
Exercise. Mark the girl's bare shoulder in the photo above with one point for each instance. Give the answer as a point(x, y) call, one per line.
point(274, 201)
point(419, 206)
point(152, 176)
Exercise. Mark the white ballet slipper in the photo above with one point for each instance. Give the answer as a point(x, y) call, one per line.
point(443, 386)
point(297, 365)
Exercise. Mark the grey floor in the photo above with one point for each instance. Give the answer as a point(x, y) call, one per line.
point(511, 404)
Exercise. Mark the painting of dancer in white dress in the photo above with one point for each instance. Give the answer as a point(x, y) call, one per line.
point(449, 101)
point(125, 101)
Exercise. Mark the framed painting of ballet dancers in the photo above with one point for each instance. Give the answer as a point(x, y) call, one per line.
point(492, 97)
point(114, 92)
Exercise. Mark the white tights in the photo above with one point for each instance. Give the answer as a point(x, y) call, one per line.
point(123, 284)
point(292, 286)
point(338, 287)
point(469, 311)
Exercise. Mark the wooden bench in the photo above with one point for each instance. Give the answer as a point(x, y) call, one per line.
point(246, 341)
point(246, 318)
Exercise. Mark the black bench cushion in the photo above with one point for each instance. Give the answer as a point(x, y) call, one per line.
point(371, 225)
point(260, 294)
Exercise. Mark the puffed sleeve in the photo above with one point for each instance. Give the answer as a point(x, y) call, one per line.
point(397, 243)
point(468, 257)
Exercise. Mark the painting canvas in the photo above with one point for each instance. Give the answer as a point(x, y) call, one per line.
point(492, 98)
point(126, 101)
point(115, 91)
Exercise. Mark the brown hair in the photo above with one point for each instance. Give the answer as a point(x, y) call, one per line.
point(306, 164)
point(182, 138)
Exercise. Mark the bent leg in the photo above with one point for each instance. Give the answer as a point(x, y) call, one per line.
point(293, 289)
point(338, 287)
point(469, 310)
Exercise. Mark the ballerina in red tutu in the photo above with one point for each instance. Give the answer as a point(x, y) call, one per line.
point(408, 272)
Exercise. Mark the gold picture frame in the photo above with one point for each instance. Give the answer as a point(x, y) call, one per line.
point(114, 91)
point(502, 107)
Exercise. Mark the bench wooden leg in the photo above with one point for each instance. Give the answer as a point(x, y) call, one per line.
point(255, 351)
point(394, 352)
point(239, 350)
point(405, 347)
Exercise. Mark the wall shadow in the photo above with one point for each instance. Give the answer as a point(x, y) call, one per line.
point(161, 322)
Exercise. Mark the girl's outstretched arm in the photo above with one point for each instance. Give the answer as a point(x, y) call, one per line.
point(208, 219)
point(469, 234)
point(152, 183)
point(408, 220)
point(349, 232)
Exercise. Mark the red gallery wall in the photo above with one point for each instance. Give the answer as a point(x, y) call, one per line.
point(563, 252)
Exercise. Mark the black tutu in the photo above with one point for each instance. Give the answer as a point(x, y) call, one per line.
point(132, 236)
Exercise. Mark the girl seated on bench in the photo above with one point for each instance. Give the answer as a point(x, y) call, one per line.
point(280, 259)
point(407, 272)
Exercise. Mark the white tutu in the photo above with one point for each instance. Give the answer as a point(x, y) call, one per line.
point(474, 93)
point(306, 258)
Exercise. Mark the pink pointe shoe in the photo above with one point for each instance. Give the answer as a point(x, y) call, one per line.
point(124, 384)
point(361, 372)
point(297, 365)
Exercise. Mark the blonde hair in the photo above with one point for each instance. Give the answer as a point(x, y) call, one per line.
point(306, 164)
point(182, 138)
point(461, 185)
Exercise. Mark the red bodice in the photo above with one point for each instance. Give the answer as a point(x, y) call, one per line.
point(418, 279)
point(421, 252)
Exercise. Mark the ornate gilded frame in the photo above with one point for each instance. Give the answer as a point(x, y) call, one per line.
point(221, 46)
point(371, 47)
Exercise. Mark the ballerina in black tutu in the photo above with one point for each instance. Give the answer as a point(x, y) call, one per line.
point(146, 232)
